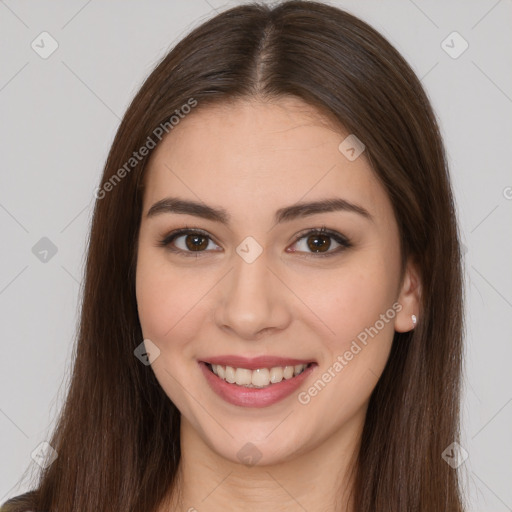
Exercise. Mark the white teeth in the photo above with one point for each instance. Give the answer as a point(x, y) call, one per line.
point(220, 371)
point(259, 378)
point(230, 374)
point(243, 376)
point(288, 372)
point(276, 375)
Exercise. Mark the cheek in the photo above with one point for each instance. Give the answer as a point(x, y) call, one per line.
point(168, 301)
point(359, 309)
point(351, 298)
point(166, 313)
point(158, 301)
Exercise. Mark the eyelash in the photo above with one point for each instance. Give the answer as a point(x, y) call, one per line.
point(338, 237)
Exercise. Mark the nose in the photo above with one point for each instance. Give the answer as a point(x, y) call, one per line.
point(253, 300)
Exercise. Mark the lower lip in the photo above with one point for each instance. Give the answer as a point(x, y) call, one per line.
point(254, 397)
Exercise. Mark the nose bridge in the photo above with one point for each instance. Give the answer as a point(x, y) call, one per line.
point(252, 300)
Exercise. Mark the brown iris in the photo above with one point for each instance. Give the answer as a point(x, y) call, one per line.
point(194, 243)
point(317, 243)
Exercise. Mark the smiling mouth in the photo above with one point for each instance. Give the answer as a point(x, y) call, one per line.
point(259, 378)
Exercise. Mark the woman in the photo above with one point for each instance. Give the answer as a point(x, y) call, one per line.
point(308, 354)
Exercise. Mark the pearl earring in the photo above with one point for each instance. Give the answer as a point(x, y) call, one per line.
point(414, 319)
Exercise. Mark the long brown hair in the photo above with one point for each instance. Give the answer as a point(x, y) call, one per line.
point(117, 437)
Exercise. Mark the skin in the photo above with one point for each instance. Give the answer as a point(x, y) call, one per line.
point(251, 158)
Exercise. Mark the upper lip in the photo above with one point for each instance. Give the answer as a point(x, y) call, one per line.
point(253, 363)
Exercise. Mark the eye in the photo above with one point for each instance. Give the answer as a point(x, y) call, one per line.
point(318, 242)
point(193, 241)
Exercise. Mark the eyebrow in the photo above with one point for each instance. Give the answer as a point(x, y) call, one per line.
point(286, 214)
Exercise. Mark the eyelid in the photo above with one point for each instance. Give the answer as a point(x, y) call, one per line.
point(339, 238)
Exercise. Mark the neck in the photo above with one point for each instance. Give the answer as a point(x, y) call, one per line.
point(319, 479)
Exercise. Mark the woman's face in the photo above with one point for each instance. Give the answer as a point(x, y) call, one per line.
point(253, 279)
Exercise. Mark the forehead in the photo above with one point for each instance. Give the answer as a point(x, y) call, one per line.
point(251, 155)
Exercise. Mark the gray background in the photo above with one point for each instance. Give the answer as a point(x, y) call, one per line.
point(59, 116)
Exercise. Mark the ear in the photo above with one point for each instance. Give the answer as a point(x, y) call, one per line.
point(409, 298)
